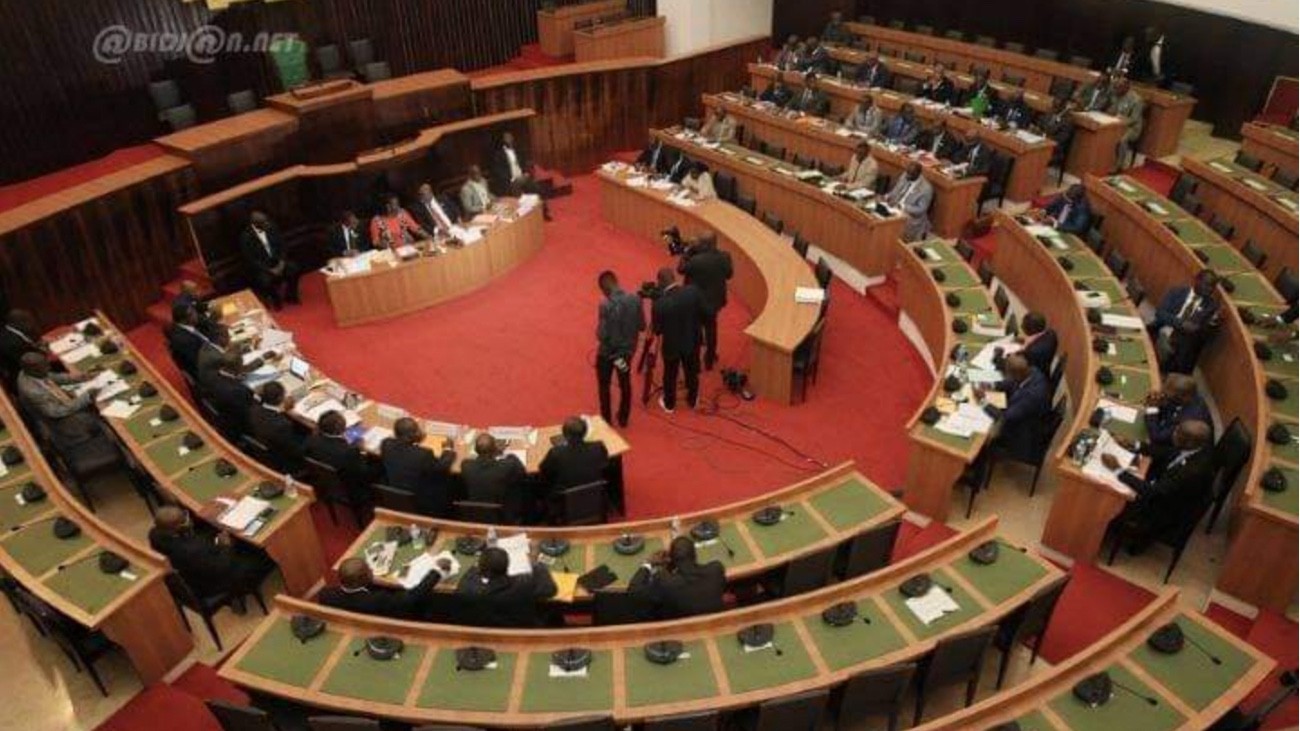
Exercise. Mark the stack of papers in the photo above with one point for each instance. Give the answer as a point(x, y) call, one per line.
point(1118, 411)
point(932, 605)
point(374, 437)
point(514, 433)
point(420, 566)
point(637, 181)
point(467, 236)
point(108, 383)
point(1098, 471)
point(379, 557)
point(244, 513)
point(528, 202)
point(516, 547)
point(442, 429)
point(63, 344)
point(984, 359)
point(1125, 322)
point(809, 295)
point(664, 184)
point(1029, 137)
point(78, 354)
point(119, 409)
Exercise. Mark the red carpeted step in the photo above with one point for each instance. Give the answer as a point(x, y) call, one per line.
point(162, 706)
point(334, 537)
point(202, 682)
point(912, 540)
point(1094, 603)
point(1229, 620)
point(160, 313)
point(1155, 175)
point(195, 270)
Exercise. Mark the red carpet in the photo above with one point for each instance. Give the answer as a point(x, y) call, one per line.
point(1155, 175)
point(12, 196)
point(1094, 603)
point(1278, 637)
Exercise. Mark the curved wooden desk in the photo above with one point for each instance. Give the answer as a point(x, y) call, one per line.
point(1165, 246)
point(189, 476)
point(392, 287)
point(1259, 209)
point(243, 312)
point(1167, 112)
point(1191, 691)
point(936, 459)
point(134, 608)
point(826, 511)
point(849, 230)
point(955, 198)
point(1083, 506)
point(1030, 156)
point(424, 686)
point(767, 272)
point(1275, 145)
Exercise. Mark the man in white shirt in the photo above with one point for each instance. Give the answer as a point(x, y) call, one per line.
point(512, 173)
point(475, 197)
point(862, 169)
point(699, 182)
point(913, 193)
point(865, 117)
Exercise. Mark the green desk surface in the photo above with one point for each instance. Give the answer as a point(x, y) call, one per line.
point(1191, 232)
point(729, 531)
point(968, 607)
point(18, 473)
point(486, 690)
point(203, 483)
point(796, 532)
point(843, 647)
point(382, 681)
point(1137, 431)
point(11, 513)
point(956, 276)
point(946, 253)
point(1130, 386)
point(1283, 362)
point(281, 657)
point(143, 431)
point(1190, 674)
point(1287, 501)
point(625, 566)
point(1284, 452)
point(952, 441)
point(1251, 287)
point(544, 694)
point(750, 671)
point(86, 586)
point(1288, 407)
point(851, 503)
point(1035, 721)
point(1082, 266)
point(688, 679)
point(165, 454)
point(1222, 258)
point(1106, 285)
point(972, 302)
point(1131, 352)
point(1012, 573)
point(37, 550)
point(1123, 711)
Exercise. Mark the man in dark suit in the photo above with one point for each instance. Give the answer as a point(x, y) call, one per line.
point(269, 424)
point(677, 586)
point(1028, 402)
point(816, 57)
point(873, 73)
point(1039, 342)
point(223, 387)
point(902, 128)
point(357, 592)
point(412, 467)
point(345, 237)
point(275, 275)
point(491, 477)
point(1015, 112)
point(1184, 321)
point(329, 445)
point(19, 337)
point(575, 461)
point(835, 31)
point(677, 317)
point(1176, 490)
point(209, 562)
point(777, 93)
point(941, 142)
point(488, 596)
point(657, 157)
point(511, 173)
point(1176, 403)
point(620, 321)
point(811, 99)
point(434, 213)
point(975, 154)
point(709, 268)
point(938, 87)
point(1069, 212)
point(184, 339)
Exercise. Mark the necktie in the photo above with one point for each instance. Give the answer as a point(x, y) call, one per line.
point(438, 215)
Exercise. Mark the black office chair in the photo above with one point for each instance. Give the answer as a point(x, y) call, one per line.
point(914, 56)
point(986, 41)
point(330, 61)
point(896, 24)
point(582, 505)
point(377, 71)
point(956, 658)
point(1255, 255)
point(746, 204)
point(1222, 226)
point(342, 723)
point(965, 250)
point(240, 718)
point(166, 94)
point(772, 221)
point(1095, 241)
point(392, 498)
point(1136, 292)
point(725, 184)
point(985, 272)
point(1002, 301)
point(996, 186)
point(807, 356)
point(1285, 179)
point(1248, 161)
point(362, 53)
point(823, 273)
point(800, 712)
point(1043, 441)
point(705, 721)
point(241, 101)
point(205, 605)
point(1231, 454)
point(468, 511)
point(869, 551)
point(801, 246)
point(616, 606)
point(1082, 62)
point(802, 575)
point(77, 465)
point(1061, 87)
point(1122, 531)
point(1117, 263)
point(332, 490)
point(181, 117)
point(874, 693)
point(1286, 285)
point(1183, 186)
point(1030, 621)
point(83, 647)
point(954, 35)
point(1193, 205)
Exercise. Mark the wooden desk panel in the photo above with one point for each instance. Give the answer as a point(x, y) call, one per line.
point(555, 26)
point(1253, 208)
point(642, 37)
point(1275, 145)
point(767, 273)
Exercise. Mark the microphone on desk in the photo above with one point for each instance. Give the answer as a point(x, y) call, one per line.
point(1213, 658)
point(730, 552)
point(1130, 691)
point(74, 562)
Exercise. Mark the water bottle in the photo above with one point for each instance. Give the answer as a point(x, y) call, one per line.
point(492, 535)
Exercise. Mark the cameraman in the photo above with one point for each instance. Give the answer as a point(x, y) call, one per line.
point(708, 267)
point(619, 325)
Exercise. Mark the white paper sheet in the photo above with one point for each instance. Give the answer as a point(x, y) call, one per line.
point(809, 295)
point(932, 605)
point(244, 512)
point(70, 341)
point(1118, 411)
point(119, 409)
point(517, 548)
point(76, 355)
point(1125, 322)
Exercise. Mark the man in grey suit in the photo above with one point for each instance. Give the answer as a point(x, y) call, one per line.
point(913, 193)
point(71, 419)
point(1127, 105)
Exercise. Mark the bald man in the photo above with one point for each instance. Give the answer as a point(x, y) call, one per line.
point(1177, 401)
point(71, 419)
point(1176, 490)
point(676, 585)
point(487, 596)
point(574, 461)
point(1029, 400)
point(209, 562)
point(410, 466)
point(493, 477)
point(357, 592)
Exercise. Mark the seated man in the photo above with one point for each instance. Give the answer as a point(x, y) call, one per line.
point(512, 173)
point(212, 351)
point(1096, 96)
point(487, 596)
point(224, 388)
point(1039, 342)
point(394, 227)
point(699, 181)
point(357, 592)
point(677, 586)
point(329, 446)
point(835, 31)
point(777, 93)
point(975, 154)
point(816, 57)
point(1029, 400)
point(576, 461)
point(412, 467)
point(980, 96)
point(657, 157)
point(873, 73)
point(271, 426)
point(902, 128)
point(434, 215)
point(1058, 124)
point(475, 198)
point(811, 100)
point(191, 296)
point(184, 339)
point(791, 54)
point(345, 237)
point(1176, 490)
point(209, 562)
point(941, 143)
point(1015, 112)
point(19, 337)
point(72, 420)
point(491, 477)
point(1184, 321)
point(913, 194)
point(1176, 403)
point(862, 168)
point(938, 87)
point(865, 117)
point(275, 276)
point(720, 126)
point(1069, 212)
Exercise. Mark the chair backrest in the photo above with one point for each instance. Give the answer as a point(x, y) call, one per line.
point(1014, 47)
point(985, 272)
point(1255, 255)
point(1001, 301)
point(1248, 161)
point(1222, 226)
point(1094, 239)
point(800, 712)
point(746, 204)
point(327, 481)
point(618, 607)
point(986, 41)
point(924, 29)
point(1046, 54)
point(1117, 264)
point(874, 692)
point(801, 245)
point(958, 657)
point(706, 721)
point(954, 35)
point(476, 512)
point(1286, 285)
point(241, 101)
point(392, 498)
point(1182, 87)
point(261, 453)
point(1285, 179)
point(823, 273)
point(181, 590)
point(808, 573)
point(1051, 423)
point(1033, 618)
point(914, 57)
point(1061, 87)
point(165, 94)
point(1058, 372)
point(328, 58)
point(725, 185)
point(1192, 204)
point(181, 117)
point(362, 52)
point(1136, 292)
point(800, 161)
point(585, 504)
point(1184, 185)
point(342, 723)
point(965, 250)
point(1013, 80)
point(1013, 325)
point(240, 718)
point(377, 71)
point(870, 551)
point(773, 221)
point(1231, 453)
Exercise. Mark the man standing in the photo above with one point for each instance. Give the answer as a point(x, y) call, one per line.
point(708, 268)
point(512, 174)
point(618, 328)
point(275, 276)
point(913, 193)
point(1127, 105)
point(677, 318)
point(475, 198)
point(19, 337)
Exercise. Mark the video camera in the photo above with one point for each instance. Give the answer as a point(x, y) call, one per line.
point(650, 291)
point(676, 244)
point(737, 382)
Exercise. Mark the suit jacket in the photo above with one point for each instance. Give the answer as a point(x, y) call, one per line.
point(504, 602)
point(185, 344)
point(877, 75)
point(900, 130)
point(1165, 420)
point(337, 245)
point(836, 33)
point(1077, 219)
point(709, 270)
point(231, 398)
point(968, 96)
point(657, 156)
point(499, 169)
point(942, 91)
point(1057, 126)
point(677, 317)
point(1094, 97)
point(13, 346)
point(1174, 493)
point(474, 201)
point(940, 144)
point(570, 465)
point(1021, 421)
point(1131, 109)
point(278, 434)
point(619, 324)
point(684, 592)
point(819, 60)
point(810, 101)
point(347, 460)
point(1042, 351)
point(1171, 305)
point(208, 360)
point(1017, 114)
point(978, 158)
point(72, 419)
point(415, 469)
point(381, 601)
point(256, 255)
point(914, 197)
point(489, 480)
point(207, 567)
point(423, 216)
point(780, 97)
